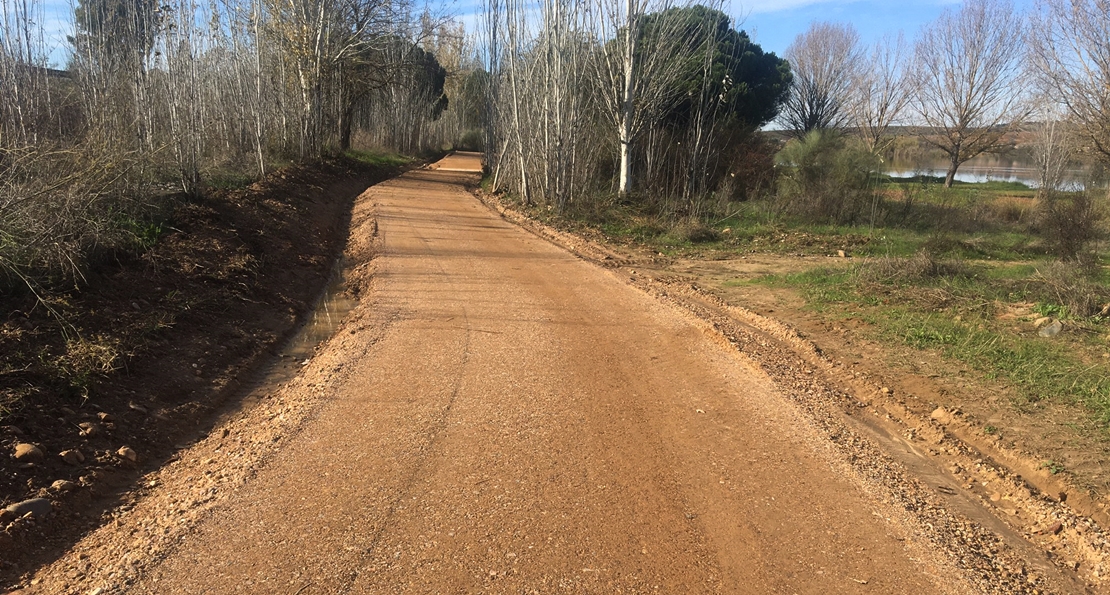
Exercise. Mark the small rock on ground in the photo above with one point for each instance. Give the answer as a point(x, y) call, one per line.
point(27, 452)
point(73, 457)
point(128, 453)
point(38, 507)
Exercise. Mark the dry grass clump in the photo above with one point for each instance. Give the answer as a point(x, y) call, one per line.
point(1071, 286)
point(697, 233)
point(923, 266)
point(57, 208)
point(1011, 209)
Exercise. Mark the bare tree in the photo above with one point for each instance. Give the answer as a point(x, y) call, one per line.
point(1053, 144)
point(881, 93)
point(966, 64)
point(1071, 55)
point(636, 72)
point(825, 61)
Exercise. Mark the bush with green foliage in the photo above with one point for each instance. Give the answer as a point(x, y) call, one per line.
point(825, 178)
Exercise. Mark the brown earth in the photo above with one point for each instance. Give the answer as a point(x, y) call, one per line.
point(500, 415)
point(930, 413)
point(153, 344)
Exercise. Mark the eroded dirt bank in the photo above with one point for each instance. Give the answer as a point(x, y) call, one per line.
point(177, 331)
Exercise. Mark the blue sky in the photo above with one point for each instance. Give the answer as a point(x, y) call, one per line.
point(774, 23)
point(771, 23)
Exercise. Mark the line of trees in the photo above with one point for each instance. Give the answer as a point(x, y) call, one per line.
point(973, 77)
point(156, 95)
point(659, 99)
point(614, 97)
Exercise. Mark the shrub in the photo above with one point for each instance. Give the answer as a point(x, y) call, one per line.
point(824, 178)
point(472, 140)
point(1070, 222)
point(59, 208)
point(1069, 284)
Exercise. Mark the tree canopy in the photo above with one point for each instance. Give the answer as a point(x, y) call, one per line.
point(748, 84)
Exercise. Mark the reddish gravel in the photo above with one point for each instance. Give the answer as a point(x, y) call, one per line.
point(499, 415)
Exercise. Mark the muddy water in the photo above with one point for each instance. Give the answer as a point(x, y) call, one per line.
point(327, 314)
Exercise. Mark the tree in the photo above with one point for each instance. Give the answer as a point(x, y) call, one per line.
point(824, 61)
point(636, 73)
point(1053, 145)
point(116, 31)
point(1071, 56)
point(966, 64)
point(748, 84)
point(881, 93)
point(728, 88)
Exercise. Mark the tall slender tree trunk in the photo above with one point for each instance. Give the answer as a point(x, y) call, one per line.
point(628, 99)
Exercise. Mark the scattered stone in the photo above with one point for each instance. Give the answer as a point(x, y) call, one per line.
point(941, 416)
point(886, 391)
point(1055, 528)
point(138, 408)
point(27, 453)
point(1038, 323)
point(128, 453)
point(842, 254)
point(89, 428)
point(67, 411)
point(38, 508)
point(63, 485)
point(105, 417)
point(1051, 330)
point(72, 456)
point(996, 497)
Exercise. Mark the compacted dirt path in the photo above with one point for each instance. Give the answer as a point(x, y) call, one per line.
point(508, 418)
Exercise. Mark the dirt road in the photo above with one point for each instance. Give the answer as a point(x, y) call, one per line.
point(501, 416)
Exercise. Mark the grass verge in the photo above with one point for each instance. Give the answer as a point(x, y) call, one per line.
point(987, 317)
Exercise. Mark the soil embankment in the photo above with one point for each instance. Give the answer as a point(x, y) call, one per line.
point(109, 380)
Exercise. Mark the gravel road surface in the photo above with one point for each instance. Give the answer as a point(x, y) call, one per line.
point(513, 419)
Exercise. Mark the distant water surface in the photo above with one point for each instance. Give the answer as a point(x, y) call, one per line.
point(986, 168)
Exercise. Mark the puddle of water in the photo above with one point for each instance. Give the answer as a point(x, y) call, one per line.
point(329, 312)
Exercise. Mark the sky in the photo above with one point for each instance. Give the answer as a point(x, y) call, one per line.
point(773, 24)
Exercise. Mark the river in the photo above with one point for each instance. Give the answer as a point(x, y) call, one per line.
point(987, 168)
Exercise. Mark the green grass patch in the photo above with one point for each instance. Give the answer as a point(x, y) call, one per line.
point(377, 159)
point(955, 310)
point(227, 179)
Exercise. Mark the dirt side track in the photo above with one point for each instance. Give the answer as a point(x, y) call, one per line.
point(498, 415)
